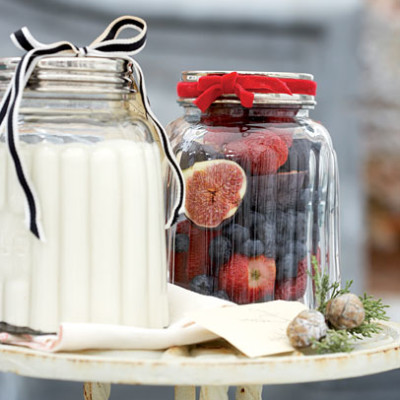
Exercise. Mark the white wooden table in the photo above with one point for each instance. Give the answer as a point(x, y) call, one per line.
point(214, 366)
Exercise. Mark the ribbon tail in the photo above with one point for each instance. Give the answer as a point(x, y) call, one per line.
point(18, 83)
point(178, 207)
point(4, 109)
point(246, 97)
point(275, 85)
point(207, 97)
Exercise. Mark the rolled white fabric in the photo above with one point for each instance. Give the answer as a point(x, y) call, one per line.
point(181, 331)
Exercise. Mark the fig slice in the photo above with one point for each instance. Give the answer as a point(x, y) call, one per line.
point(214, 191)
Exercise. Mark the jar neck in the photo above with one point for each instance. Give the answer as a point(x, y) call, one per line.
point(221, 114)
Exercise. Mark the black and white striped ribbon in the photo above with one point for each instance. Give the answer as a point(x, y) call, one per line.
point(106, 45)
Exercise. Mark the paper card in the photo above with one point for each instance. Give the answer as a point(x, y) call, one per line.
point(254, 329)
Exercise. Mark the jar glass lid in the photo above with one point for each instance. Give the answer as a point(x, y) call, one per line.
point(70, 73)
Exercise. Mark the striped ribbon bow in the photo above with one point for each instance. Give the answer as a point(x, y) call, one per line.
point(106, 45)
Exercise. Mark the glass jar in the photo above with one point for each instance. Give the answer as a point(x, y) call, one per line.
point(94, 162)
point(261, 208)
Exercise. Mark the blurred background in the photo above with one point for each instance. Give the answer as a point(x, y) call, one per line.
point(353, 49)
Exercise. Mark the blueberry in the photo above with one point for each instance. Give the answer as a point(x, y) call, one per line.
point(315, 236)
point(285, 247)
point(254, 221)
point(285, 225)
point(270, 217)
point(263, 192)
point(300, 250)
point(316, 146)
point(237, 233)
point(286, 267)
point(301, 226)
point(303, 200)
point(197, 152)
point(266, 297)
point(221, 294)
point(289, 188)
point(181, 243)
point(298, 157)
point(266, 231)
point(270, 247)
point(252, 248)
point(247, 218)
point(219, 251)
point(202, 284)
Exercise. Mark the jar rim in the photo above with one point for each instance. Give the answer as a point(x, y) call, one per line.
point(72, 62)
point(193, 76)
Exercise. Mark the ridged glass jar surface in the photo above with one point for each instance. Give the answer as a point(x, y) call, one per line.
point(261, 202)
point(94, 163)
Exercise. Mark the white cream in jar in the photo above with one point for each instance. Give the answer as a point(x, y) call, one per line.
point(104, 258)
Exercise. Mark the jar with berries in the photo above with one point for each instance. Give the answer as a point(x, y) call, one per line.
point(261, 205)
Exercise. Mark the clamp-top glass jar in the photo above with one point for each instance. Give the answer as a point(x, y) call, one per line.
point(92, 156)
point(261, 188)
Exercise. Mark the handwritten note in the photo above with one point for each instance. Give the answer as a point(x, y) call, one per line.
point(254, 329)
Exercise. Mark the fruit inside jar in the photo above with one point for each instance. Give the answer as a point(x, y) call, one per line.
point(249, 228)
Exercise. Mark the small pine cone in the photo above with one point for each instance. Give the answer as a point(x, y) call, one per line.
point(309, 324)
point(345, 311)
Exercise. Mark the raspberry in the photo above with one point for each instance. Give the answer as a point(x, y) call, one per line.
point(221, 136)
point(283, 134)
point(261, 153)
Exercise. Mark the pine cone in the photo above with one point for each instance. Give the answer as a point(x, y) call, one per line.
point(345, 311)
point(308, 325)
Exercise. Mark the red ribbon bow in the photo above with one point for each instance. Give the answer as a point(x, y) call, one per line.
point(210, 87)
point(214, 86)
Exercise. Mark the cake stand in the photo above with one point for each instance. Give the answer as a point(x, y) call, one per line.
point(214, 366)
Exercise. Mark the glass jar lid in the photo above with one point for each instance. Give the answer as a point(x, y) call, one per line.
point(72, 73)
point(269, 88)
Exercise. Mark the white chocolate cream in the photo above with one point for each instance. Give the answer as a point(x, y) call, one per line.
point(104, 259)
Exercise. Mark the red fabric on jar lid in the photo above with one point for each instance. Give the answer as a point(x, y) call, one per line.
point(208, 88)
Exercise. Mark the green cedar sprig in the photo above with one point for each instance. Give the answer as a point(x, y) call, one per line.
point(343, 340)
point(335, 341)
point(325, 291)
point(374, 310)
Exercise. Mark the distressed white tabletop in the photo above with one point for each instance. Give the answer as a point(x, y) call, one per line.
point(214, 363)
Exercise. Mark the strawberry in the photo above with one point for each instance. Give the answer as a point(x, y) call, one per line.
point(183, 227)
point(198, 258)
point(198, 253)
point(247, 280)
point(178, 261)
point(260, 152)
point(187, 265)
point(178, 269)
point(293, 289)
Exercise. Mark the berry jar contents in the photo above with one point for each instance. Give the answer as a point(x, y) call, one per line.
point(261, 207)
point(93, 160)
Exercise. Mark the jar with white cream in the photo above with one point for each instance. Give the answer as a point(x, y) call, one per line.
point(92, 156)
